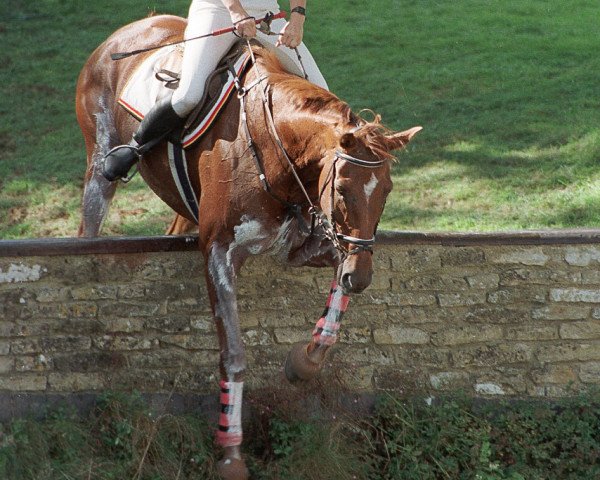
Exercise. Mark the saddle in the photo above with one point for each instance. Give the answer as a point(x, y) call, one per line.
point(159, 74)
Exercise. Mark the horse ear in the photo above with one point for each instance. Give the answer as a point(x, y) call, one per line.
point(400, 139)
point(347, 141)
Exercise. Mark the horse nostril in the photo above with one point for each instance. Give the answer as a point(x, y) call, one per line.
point(347, 281)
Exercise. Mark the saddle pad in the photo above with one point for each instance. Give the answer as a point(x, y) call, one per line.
point(143, 89)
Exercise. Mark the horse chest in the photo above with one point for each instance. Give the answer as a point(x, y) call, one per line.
point(253, 237)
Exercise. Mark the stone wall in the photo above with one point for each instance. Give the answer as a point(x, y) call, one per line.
point(511, 314)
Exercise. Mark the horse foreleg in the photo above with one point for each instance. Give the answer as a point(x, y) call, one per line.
point(220, 277)
point(306, 360)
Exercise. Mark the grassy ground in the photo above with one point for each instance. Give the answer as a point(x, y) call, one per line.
point(507, 93)
point(404, 439)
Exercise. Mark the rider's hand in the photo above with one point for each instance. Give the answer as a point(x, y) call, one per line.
point(244, 25)
point(291, 35)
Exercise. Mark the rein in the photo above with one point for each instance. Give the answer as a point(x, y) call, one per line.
point(318, 217)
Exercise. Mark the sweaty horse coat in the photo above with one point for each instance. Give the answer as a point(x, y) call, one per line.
point(342, 164)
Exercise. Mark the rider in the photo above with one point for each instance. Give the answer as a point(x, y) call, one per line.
point(200, 59)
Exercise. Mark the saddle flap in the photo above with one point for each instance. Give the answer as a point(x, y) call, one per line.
point(158, 75)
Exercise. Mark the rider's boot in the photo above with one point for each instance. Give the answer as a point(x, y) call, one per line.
point(156, 125)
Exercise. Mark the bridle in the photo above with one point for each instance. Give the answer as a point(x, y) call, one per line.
point(318, 217)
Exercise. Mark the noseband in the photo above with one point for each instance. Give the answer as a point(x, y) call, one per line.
point(328, 225)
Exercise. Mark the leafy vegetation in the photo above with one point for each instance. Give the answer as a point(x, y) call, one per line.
point(506, 92)
point(452, 438)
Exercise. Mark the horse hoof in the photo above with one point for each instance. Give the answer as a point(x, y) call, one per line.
point(298, 366)
point(233, 469)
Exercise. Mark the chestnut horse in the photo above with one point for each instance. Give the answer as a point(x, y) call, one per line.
point(288, 170)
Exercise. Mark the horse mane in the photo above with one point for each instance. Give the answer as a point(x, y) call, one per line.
point(308, 97)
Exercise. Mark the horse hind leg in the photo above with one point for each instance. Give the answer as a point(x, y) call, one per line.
point(98, 192)
point(97, 195)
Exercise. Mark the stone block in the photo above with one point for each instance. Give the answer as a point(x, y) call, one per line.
point(83, 362)
point(496, 315)
point(489, 389)
point(590, 277)
point(130, 309)
point(172, 358)
point(568, 352)
point(580, 330)
point(436, 282)
point(491, 355)
point(532, 333)
point(131, 291)
point(24, 382)
point(95, 292)
point(449, 380)
point(554, 374)
point(515, 255)
point(590, 373)
point(462, 256)
point(582, 255)
point(7, 365)
point(122, 325)
point(52, 294)
point(291, 336)
point(517, 295)
point(415, 315)
point(461, 299)
point(405, 298)
point(529, 276)
point(467, 334)
point(4, 347)
point(75, 382)
point(483, 281)
point(416, 260)
point(21, 272)
point(50, 344)
point(256, 337)
point(125, 342)
point(168, 324)
point(34, 363)
point(355, 335)
point(364, 355)
point(398, 335)
point(197, 341)
point(560, 312)
point(574, 295)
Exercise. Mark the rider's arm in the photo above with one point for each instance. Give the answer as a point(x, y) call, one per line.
point(244, 24)
point(292, 33)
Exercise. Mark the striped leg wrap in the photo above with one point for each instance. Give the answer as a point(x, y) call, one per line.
point(325, 333)
point(230, 420)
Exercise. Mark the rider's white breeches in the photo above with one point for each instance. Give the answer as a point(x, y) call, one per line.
point(200, 57)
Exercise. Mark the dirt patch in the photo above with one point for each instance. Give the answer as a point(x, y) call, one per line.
point(16, 215)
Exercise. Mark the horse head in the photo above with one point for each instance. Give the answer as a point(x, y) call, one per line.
point(354, 186)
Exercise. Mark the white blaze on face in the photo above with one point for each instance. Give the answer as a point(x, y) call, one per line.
point(370, 187)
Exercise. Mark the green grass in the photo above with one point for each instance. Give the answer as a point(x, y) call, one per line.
point(404, 439)
point(507, 93)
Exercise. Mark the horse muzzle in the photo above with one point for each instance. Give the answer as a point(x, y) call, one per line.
point(356, 272)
